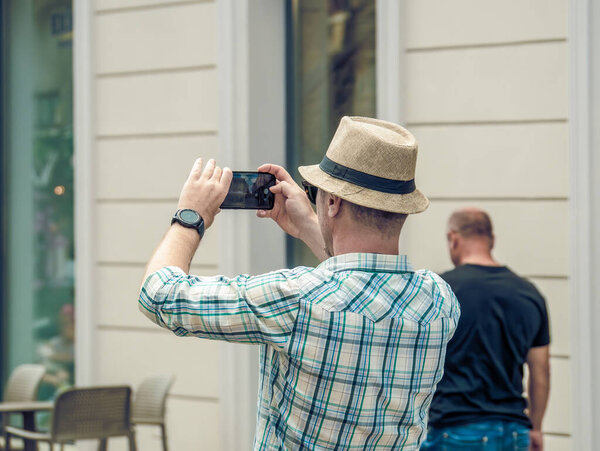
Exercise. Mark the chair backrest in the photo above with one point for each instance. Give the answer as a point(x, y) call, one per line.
point(23, 383)
point(92, 412)
point(150, 399)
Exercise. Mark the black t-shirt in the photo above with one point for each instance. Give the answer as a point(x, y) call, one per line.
point(502, 317)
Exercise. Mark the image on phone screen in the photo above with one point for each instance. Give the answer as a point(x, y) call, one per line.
point(250, 191)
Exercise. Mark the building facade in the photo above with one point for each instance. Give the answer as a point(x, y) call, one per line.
point(502, 97)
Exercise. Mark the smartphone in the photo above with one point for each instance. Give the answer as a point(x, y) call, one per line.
point(250, 191)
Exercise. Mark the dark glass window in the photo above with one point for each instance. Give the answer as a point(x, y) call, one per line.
point(37, 175)
point(331, 73)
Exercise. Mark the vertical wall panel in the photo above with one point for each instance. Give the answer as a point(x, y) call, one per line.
point(156, 110)
point(127, 356)
point(149, 168)
point(173, 102)
point(118, 307)
point(515, 160)
point(205, 435)
point(435, 23)
point(487, 97)
point(116, 6)
point(509, 83)
point(157, 38)
point(557, 443)
point(558, 414)
point(517, 225)
point(129, 232)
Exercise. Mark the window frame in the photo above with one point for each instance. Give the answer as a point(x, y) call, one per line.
point(389, 76)
point(84, 197)
point(584, 212)
point(3, 228)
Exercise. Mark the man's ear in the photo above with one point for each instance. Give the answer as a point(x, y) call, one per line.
point(453, 239)
point(334, 205)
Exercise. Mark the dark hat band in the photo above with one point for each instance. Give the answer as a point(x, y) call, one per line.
point(367, 180)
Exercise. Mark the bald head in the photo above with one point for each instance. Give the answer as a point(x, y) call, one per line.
point(470, 235)
point(471, 223)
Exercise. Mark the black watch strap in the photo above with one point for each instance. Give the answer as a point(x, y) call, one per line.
point(189, 218)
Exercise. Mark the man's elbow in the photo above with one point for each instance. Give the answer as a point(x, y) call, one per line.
point(148, 311)
point(148, 306)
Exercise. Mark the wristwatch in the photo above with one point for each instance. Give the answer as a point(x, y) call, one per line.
point(190, 219)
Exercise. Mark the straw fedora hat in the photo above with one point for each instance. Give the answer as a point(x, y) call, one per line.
point(372, 163)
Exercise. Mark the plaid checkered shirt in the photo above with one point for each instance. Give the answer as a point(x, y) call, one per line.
point(351, 351)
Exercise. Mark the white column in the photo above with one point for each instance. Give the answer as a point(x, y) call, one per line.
point(594, 270)
point(84, 190)
point(584, 39)
point(390, 59)
point(84, 196)
point(251, 131)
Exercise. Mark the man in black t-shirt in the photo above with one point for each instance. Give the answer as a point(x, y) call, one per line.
point(479, 402)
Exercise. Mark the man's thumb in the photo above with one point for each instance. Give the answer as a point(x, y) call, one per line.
point(281, 188)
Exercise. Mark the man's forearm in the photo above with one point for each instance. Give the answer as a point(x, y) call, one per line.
point(176, 249)
point(538, 391)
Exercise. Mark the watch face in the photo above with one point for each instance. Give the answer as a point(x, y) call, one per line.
point(189, 216)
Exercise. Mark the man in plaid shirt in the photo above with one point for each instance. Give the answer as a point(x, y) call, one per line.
point(352, 350)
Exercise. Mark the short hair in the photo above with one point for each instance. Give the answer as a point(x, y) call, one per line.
point(471, 223)
point(385, 221)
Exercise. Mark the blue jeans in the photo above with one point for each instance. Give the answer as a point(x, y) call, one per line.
point(480, 436)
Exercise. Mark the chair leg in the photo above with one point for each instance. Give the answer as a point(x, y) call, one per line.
point(3, 423)
point(132, 445)
point(102, 444)
point(163, 430)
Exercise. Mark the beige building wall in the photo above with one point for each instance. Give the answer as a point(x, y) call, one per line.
point(486, 94)
point(156, 109)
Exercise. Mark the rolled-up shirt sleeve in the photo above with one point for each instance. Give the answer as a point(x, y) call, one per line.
point(244, 309)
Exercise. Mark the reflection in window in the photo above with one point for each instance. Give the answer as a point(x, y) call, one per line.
point(331, 73)
point(38, 149)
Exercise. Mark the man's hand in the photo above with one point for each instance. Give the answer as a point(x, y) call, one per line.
point(205, 190)
point(292, 210)
point(536, 439)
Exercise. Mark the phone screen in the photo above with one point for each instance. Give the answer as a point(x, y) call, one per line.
point(250, 191)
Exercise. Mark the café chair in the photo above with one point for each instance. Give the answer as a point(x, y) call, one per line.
point(149, 403)
point(22, 386)
point(23, 383)
point(83, 414)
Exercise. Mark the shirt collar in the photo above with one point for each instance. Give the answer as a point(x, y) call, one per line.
point(368, 263)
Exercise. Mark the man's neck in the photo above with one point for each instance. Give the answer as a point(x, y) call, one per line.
point(383, 249)
point(365, 242)
point(479, 259)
